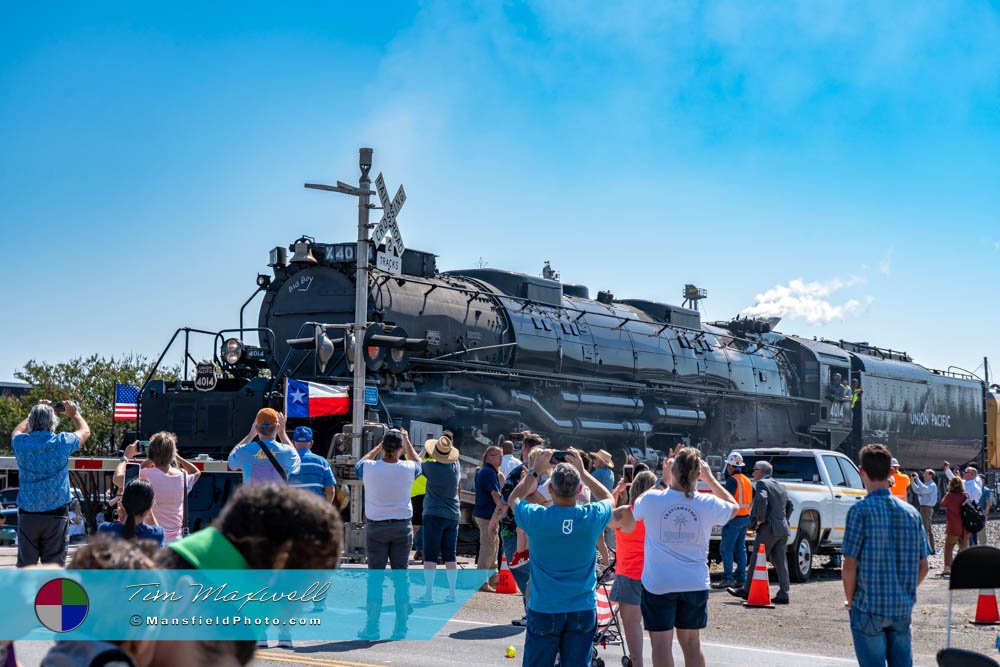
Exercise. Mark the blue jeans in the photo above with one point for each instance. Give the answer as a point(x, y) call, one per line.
point(733, 547)
point(879, 640)
point(569, 635)
point(521, 574)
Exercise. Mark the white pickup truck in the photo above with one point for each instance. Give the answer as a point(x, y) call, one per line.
point(822, 486)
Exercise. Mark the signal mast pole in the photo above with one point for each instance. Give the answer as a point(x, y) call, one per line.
point(361, 303)
point(362, 192)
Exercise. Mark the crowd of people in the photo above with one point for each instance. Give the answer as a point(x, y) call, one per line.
point(281, 518)
point(554, 516)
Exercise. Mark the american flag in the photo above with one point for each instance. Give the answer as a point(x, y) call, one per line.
point(126, 402)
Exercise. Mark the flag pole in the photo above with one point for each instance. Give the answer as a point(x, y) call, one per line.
point(114, 395)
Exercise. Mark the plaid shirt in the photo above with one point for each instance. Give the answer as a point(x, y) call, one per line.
point(886, 537)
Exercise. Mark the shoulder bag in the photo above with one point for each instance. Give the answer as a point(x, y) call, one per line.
point(274, 461)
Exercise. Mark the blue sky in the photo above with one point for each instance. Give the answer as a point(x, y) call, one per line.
point(152, 155)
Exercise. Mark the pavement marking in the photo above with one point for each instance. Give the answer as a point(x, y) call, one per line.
point(734, 647)
point(296, 659)
point(813, 656)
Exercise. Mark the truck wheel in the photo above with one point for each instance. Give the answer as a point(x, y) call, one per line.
point(801, 557)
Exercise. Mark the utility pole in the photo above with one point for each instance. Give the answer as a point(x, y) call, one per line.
point(362, 192)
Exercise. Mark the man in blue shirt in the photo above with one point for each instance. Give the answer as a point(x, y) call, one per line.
point(314, 473)
point(927, 497)
point(487, 485)
point(249, 456)
point(885, 558)
point(562, 616)
point(43, 497)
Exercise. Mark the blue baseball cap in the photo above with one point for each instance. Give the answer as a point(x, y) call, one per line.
point(303, 434)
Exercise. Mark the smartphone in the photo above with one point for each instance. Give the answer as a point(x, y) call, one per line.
point(59, 407)
point(131, 472)
point(559, 456)
point(628, 472)
point(141, 447)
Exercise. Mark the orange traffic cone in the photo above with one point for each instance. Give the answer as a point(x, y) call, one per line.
point(986, 609)
point(505, 580)
point(760, 591)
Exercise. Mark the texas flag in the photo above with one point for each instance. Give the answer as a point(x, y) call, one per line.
point(308, 399)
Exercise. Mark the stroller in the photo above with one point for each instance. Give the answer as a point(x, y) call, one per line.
point(609, 629)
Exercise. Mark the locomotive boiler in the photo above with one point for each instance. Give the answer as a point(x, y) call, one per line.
point(495, 352)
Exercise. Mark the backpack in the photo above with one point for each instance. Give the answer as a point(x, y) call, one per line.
point(973, 518)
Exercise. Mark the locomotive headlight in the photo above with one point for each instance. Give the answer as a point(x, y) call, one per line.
point(232, 351)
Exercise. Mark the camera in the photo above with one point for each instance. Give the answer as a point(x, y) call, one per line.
point(559, 456)
point(59, 407)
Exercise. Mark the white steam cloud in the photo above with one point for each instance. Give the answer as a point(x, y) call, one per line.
point(801, 300)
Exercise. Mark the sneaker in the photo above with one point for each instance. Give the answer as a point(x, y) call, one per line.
point(520, 622)
point(519, 560)
point(262, 643)
point(285, 643)
point(486, 588)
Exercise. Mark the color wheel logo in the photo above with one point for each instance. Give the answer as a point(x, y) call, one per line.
point(61, 605)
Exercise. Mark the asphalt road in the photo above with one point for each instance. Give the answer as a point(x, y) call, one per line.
point(813, 630)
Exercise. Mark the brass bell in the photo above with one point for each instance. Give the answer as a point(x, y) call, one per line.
point(303, 253)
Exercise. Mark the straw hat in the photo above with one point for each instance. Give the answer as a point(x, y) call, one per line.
point(605, 456)
point(441, 450)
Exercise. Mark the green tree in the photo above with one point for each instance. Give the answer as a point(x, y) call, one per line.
point(90, 381)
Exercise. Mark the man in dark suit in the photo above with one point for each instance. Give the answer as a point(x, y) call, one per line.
point(769, 515)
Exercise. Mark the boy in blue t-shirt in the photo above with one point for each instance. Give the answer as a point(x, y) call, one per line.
point(248, 454)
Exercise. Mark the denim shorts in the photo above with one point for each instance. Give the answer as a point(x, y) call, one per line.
point(440, 538)
point(626, 590)
point(686, 611)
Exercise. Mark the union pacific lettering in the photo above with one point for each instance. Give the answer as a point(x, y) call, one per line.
point(930, 419)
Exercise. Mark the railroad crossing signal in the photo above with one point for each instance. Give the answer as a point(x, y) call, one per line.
point(387, 226)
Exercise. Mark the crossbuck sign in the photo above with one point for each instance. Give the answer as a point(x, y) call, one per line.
point(391, 259)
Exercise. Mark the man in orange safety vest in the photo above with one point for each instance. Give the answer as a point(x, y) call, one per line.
point(733, 546)
point(899, 483)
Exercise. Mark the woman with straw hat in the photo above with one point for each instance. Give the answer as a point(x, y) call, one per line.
point(441, 511)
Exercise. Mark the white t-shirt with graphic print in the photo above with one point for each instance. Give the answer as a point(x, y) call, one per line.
point(678, 530)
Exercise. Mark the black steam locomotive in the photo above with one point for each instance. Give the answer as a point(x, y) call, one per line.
point(490, 352)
